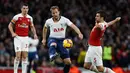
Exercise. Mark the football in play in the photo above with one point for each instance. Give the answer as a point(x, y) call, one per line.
point(67, 43)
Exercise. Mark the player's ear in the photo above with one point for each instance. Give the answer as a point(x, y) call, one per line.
point(59, 12)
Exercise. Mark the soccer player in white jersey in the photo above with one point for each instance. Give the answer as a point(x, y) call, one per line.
point(22, 22)
point(58, 25)
point(93, 58)
point(32, 55)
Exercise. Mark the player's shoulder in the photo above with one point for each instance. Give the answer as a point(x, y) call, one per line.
point(29, 16)
point(63, 17)
point(103, 24)
point(49, 21)
point(17, 16)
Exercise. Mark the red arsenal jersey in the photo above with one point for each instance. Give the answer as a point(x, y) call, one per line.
point(22, 24)
point(96, 34)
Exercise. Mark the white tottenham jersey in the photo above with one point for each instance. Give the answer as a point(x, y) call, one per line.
point(33, 44)
point(58, 29)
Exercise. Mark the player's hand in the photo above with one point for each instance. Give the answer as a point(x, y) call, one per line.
point(118, 18)
point(44, 42)
point(80, 36)
point(35, 36)
point(14, 35)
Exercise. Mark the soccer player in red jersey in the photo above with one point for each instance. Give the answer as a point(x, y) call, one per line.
point(22, 22)
point(93, 58)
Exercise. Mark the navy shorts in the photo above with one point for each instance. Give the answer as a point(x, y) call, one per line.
point(32, 55)
point(64, 53)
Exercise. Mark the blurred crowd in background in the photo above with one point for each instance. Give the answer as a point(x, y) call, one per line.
point(116, 41)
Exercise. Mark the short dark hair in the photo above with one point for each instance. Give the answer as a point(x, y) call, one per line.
point(102, 13)
point(24, 4)
point(54, 7)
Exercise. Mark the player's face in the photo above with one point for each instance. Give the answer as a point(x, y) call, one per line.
point(98, 17)
point(55, 13)
point(24, 9)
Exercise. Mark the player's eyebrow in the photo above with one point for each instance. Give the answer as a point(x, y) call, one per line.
point(25, 8)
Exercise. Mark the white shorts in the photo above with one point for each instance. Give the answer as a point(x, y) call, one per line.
point(94, 55)
point(21, 43)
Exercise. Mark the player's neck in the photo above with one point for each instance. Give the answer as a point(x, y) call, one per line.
point(24, 14)
point(56, 19)
point(101, 21)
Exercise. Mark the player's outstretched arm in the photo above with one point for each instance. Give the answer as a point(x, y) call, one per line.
point(77, 31)
point(44, 35)
point(114, 21)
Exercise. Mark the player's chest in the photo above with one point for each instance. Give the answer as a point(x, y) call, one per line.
point(57, 25)
point(98, 30)
point(23, 20)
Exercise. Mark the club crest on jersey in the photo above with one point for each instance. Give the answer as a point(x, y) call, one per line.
point(58, 29)
point(28, 20)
